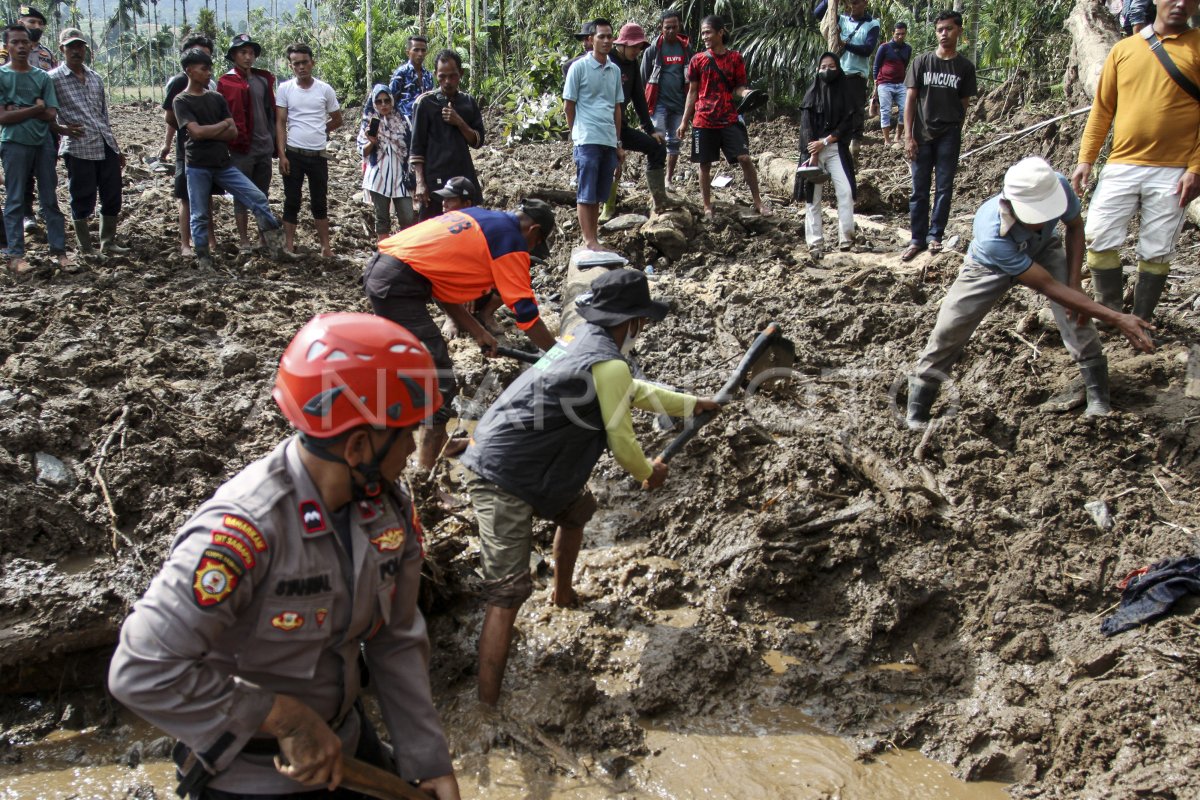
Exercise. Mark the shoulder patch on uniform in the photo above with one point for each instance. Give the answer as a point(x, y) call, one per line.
point(244, 527)
point(228, 559)
point(213, 581)
point(235, 543)
point(311, 516)
point(287, 620)
point(391, 539)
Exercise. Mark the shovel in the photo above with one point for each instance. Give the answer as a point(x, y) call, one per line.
point(769, 351)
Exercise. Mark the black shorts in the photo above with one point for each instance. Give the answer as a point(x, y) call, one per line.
point(709, 143)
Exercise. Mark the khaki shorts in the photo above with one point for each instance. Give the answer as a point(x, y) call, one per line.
point(506, 525)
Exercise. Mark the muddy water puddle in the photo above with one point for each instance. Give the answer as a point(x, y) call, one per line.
point(775, 753)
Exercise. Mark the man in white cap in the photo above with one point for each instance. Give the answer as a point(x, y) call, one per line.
point(1016, 241)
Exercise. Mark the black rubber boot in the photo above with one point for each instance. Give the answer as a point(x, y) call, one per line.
point(1108, 285)
point(921, 394)
point(1146, 294)
point(1095, 385)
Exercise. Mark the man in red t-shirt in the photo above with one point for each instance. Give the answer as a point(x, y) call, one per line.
point(715, 78)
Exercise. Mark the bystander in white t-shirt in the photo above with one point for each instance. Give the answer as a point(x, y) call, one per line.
point(307, 112)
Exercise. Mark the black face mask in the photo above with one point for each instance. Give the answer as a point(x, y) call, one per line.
point(829, 75)
point(35, 34)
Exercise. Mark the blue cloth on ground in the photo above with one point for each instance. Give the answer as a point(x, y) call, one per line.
point(1152, 594)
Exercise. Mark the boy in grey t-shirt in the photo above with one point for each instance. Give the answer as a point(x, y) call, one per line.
point(205, 116)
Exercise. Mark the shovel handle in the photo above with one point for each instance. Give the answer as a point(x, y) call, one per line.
point(755, 352)
point(519, 355)
point(372, 781)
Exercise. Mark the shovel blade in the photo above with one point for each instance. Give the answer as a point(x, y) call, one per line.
point(774, 366)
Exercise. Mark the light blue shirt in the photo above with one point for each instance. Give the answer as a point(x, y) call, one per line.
point(596, 90)
point(854, 33)
point(1002, 244)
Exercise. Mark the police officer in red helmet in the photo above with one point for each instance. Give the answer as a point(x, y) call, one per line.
point(246, 645)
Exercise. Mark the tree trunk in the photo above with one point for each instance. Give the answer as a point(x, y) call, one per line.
point(829, 27)
point(1093, 32)
point(423, 13)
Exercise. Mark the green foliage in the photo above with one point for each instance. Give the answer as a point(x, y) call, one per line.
point(206, 23)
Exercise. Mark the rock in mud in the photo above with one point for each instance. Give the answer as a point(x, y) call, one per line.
point(625, 222)
point(236, 359)
point(52, 472)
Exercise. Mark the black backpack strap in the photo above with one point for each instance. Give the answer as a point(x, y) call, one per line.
point(1156, 47)
point(712, 61)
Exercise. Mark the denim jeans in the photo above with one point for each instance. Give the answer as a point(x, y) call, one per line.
point(940, 155)
point(22, 163)
point(595, 165)
point(668, 121)
point(891, 94)
point(199, 182)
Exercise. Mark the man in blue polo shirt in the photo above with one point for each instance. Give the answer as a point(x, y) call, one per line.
point(594, 98)
point(1016, 241)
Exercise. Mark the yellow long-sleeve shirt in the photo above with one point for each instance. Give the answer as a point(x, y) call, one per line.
point(616, 391)
point(1155, 123)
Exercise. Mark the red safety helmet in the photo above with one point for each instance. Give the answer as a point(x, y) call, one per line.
point(345, 370)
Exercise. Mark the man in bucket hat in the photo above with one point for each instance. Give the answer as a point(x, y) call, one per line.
point(534, 449)
point(1015, 240)
point(250, 93)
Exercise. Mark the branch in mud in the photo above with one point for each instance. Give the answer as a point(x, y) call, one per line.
point(910, 499)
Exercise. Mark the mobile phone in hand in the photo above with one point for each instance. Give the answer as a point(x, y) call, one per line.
point(373, 127)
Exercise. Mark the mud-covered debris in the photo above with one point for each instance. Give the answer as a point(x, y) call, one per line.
point(1100, 514)
point(8, 400)
point(236, 359)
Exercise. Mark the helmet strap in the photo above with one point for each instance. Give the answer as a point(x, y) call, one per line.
point(372, 486)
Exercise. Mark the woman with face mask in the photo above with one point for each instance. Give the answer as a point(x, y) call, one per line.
point(826, 121)
point(383, 139)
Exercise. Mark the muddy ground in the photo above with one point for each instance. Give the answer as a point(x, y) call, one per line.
point(940, 592)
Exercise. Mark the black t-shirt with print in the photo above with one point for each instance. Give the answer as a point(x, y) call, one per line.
point(942, 84)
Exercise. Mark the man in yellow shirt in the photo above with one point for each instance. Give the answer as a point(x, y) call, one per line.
point(534, 449)
point(1155, 158)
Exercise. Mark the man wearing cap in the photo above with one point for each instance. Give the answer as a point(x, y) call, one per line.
point(664, 73)
point(1154, 164)
point(40, 55)
point(28, 116)
point(534, 449)
point(457, 193)
point(586, 31)
point(592, 97)
point(306, 112)
point(447, 123)
point(411, 79)
point(627, 48)
point(453, 259)
point(178, 137)
point(250, 93)
point(1015, 240)
point(94, 159)
point(301, 572)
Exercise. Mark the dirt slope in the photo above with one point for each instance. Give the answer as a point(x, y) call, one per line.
point(942, 592)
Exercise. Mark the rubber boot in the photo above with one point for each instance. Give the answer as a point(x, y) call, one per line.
point(1108, 286)
point(1095, 384)
point(83, 236)
point(610, 206)
point(1146, 294)
point(656, 179)
point(203, 258)
point(275, 249)
point(921, 394)
point(108, 237)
